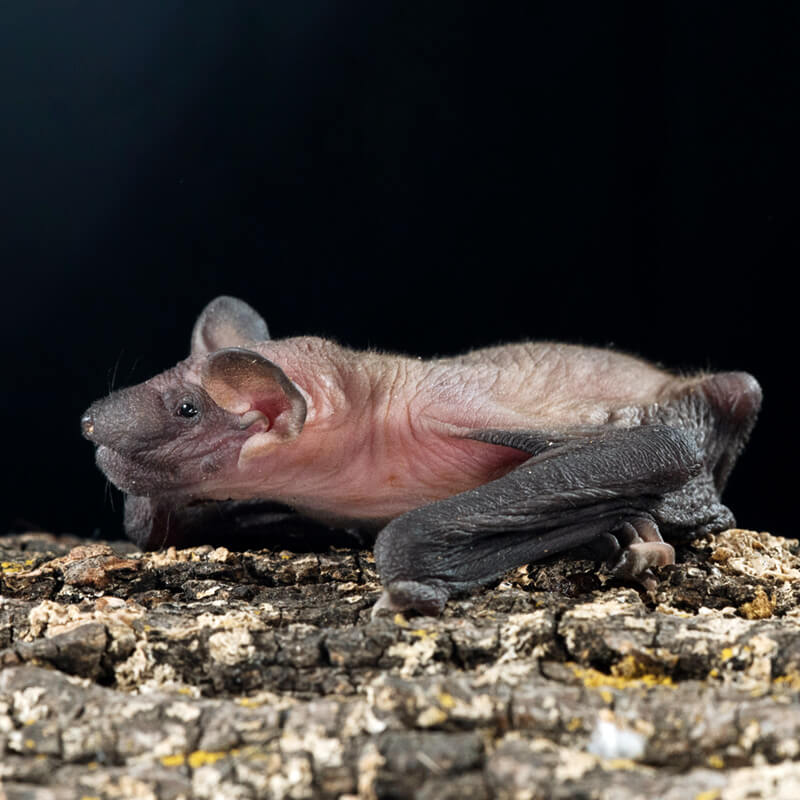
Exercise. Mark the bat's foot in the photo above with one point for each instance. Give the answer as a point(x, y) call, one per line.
point(428, 599)
point(641, 550)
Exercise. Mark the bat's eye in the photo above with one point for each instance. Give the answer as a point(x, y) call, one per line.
point(187, 409)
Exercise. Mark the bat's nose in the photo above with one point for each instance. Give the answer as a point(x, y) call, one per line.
point(87, 424)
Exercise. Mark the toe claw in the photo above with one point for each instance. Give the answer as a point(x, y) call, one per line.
point(640, 558)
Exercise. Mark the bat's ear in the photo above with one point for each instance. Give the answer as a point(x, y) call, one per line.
point(245, 383)
point(227, 322)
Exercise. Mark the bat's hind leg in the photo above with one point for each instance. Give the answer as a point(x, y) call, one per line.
point(640, 550)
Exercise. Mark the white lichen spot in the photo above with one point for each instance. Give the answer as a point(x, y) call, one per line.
point(517, 633)
point(268, 613)
point(788, 748)
point(414, 655)
point(219, 554)
point(370, 763)
point(235, 619)
point(613, 739)
point(620, 604)
point(511, 673)
point(361, 717)
point(762, 652)
point(325, 751)
point(140, 672)
point(646, 624)
point(294, 780)
point(252, 768)
point(479, 709)
point(6, 723)
point(750, 735)
point(231, 646)
point(208, 784)
point(26, 706)
point(711, 632)
point(573, 765)
point(134, 669)
point(756, 555)
point(126, 786)
point(186, 712)
point(775, 781)
point(51, 618)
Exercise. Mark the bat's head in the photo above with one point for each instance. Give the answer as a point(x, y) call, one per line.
point(191, 429)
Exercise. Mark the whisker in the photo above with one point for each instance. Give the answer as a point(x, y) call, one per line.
point(133, 366)
point(113, 377)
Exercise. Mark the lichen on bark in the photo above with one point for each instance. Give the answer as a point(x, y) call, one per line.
point(206, 672)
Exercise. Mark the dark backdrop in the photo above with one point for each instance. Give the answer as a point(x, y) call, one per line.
point(423, 177)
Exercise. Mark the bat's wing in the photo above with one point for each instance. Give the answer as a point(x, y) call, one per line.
point(594, 487)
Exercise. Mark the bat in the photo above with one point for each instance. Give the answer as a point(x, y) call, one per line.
point(465, 466)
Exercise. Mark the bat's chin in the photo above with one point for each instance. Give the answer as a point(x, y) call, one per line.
point(129, 476)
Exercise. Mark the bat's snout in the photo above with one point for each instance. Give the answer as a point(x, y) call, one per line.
point(87, 424)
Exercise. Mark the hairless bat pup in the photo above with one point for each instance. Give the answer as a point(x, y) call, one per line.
point(467, 466)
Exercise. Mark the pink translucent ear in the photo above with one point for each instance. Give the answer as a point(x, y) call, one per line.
point(227, 322)
point(245, 383)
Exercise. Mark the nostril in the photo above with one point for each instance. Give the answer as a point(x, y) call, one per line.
point(87, 424)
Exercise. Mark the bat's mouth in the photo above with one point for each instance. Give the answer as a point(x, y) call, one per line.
point(128, 475)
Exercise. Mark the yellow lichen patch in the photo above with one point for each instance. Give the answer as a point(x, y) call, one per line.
point(431, 716)
point(248, 702)
point(446, 700)
point(613, 764)
point(594, 679)
point(665, 608)
point(791, 680)
point(11, 567)
point(631, 668)
point(761, 606)
point(199, 758)
point(715, 761)
point(195, 759)
point(711, 794)
point(400, 621)
point(176, 760)
point(574, 724)
point(423, 634)
point(726, 654)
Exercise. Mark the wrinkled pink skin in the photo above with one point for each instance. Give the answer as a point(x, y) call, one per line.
point(384, 434)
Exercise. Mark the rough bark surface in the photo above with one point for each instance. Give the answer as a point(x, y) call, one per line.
point(210, 673)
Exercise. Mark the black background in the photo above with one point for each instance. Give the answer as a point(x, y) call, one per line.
point(422, 177)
